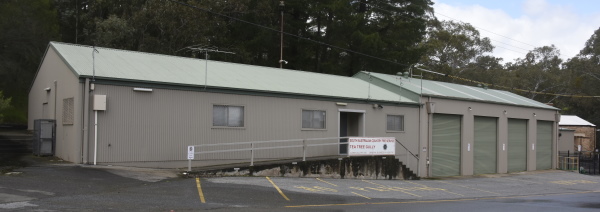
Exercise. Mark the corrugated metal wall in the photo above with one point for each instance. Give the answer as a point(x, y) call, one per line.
point(158, 125)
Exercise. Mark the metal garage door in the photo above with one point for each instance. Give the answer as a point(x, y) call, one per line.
point(543, 145)
point(485, 146)
point(445, 160)
point(517, 145)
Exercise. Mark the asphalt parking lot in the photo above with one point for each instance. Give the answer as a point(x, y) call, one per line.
point(50, 184)
point(69, 187)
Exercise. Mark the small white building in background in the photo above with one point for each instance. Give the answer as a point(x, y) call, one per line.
point(585, 132)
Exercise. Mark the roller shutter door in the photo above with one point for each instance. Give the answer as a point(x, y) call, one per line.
point(543, 145)
point(517, 145)
point(445, 160)
point(485, 146)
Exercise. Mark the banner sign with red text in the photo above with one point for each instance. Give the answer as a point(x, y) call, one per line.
point(371, 146)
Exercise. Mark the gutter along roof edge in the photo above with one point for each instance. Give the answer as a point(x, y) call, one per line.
point(228, 90)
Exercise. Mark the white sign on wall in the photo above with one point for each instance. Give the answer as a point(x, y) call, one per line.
point(371, 146)
point(190, 152)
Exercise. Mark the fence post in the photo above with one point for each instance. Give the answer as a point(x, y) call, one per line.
point(189, 165)
point(252, 151)
point(303, 149)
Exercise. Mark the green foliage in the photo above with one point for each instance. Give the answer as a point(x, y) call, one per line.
point(453, 48)
point(4, 105)
point(26, 27)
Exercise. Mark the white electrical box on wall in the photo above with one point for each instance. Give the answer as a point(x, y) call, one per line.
point(99, 102)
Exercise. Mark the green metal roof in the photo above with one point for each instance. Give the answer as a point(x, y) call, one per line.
point(456, 91)
point(164, 69)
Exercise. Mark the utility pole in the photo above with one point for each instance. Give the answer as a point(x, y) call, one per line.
point(281, 61)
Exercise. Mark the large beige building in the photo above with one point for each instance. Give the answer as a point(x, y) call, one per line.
point(132, 108)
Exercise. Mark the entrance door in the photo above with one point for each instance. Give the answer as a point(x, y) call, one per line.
point(351, 125)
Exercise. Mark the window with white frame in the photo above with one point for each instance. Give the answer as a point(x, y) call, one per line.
point(228, 116)
point(395, 123)
point(313, 119)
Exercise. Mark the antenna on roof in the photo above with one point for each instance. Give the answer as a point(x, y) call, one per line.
point(205, 49)
point(94, 51)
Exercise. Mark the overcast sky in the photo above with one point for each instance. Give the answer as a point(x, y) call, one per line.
point(518, 26)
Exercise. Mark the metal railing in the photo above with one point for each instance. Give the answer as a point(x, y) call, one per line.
point(253, 147)
point(304, 145)
point(416, 156)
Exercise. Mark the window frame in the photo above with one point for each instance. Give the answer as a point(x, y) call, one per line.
point(212, 120)
point(311, 127)
point(402, 123)
point(68, 111)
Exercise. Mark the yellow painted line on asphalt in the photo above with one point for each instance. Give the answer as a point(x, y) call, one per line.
point(373, 183)
point(438, 201)
point(528, 181)
point(280, 192)
point(415, 183)
point(433, 188)
point(572, 182)
point(319, 179)
point(317, 189)
point(357, 194)
point(469, 187)
point(200, 193)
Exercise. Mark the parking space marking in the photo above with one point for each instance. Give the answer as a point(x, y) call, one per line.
point(572, 182)
point(319, 179)
point(469, 187)
point(387, 188)
point(357, 194)
point(280, 192)
point(514, 179)
point(317, 189)
point(373, 183)
point(433, 188)
point(200, 193)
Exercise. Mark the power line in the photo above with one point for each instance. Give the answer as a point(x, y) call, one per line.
point(486, 30)
point(508, 88)
point(507, 44)
point(289, 34)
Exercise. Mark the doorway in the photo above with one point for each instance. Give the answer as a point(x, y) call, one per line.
point(351, 124)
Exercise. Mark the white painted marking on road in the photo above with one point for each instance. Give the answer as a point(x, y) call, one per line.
point(15, 205)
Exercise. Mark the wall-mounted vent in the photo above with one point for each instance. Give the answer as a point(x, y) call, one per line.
point(68, 111)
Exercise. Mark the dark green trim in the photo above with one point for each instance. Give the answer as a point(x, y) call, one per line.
point(200, 88)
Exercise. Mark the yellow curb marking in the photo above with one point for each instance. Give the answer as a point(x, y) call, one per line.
point(280, 192)
point(200, 190)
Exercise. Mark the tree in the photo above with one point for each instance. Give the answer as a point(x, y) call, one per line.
point(582, 72)
point(26, 28)
point(452, 47)
point(539, 71)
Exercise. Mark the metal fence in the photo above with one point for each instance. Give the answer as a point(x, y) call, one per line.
point(586, 162)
